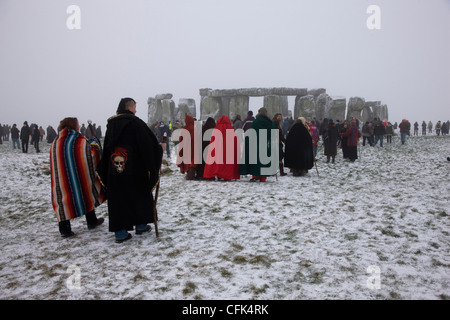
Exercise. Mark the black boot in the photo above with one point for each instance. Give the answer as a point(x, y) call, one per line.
point(65, 229)
point(92, 220)
point(282, 173)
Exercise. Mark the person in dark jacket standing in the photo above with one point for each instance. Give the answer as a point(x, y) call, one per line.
point(25, 136)
point(330, 140)
point(129, 169)
point(379, 131)
point(35, 138)
point(404, 130)
point(248, 121)
point(15, 134)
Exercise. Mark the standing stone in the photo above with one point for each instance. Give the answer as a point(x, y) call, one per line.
point(323, 105)
point(154, 111)
point(384, 114)
point(284, 104)
point(373, 109)
point(355, 107)
point(305, 106)
point(185, 106)
point(168, 110)
point(239, 105)
point(210, 107)
point(273, 105)
point(225, 106)
point(337, 108)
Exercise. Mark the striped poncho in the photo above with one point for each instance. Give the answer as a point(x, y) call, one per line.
point(76, 189)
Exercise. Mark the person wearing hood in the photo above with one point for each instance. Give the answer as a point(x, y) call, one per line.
point(187, 164)
point(299, 155)
point(130, 169)
point(262, 128)
point(207, 128)
point(219, 163)
point(404, 130)
point(353, 134)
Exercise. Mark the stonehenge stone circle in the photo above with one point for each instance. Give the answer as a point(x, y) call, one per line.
point(309, 103)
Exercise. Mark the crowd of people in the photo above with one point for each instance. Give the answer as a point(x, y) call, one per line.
point(298, 142)
point(127, 169)
point(33, 134)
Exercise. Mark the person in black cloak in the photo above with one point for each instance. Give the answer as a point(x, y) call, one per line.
point(210, 123)
point(129, 170)
point(299, 156)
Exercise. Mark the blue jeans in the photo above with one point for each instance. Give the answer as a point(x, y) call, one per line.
point(378, 137)
point(403, 137)
point(122, 234)
point(16, 141)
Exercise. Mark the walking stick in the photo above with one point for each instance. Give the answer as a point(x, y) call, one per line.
point(155, 212)
point(317, 170)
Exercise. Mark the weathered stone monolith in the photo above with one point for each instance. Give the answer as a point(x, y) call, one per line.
point(154, 111)
point(305, 106)
point(185, 106)
point(323, 105)
point(337, 108)
point(355, 107)
point(210, 107)
point(273, 105)
point(239, 105)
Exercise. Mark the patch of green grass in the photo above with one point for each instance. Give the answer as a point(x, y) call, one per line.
point(189, 288)
point(225, 273)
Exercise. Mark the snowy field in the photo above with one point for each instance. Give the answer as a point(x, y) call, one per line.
point(374, 229)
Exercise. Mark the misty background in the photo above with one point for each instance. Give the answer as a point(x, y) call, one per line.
point(142, 48)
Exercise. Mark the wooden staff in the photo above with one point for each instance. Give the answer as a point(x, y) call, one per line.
point(155, 211)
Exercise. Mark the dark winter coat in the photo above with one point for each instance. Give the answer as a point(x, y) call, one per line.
point(25, 133)
point(247, 122)
point(129, 169)
point(299, 150)
point(15, 133)
point(379, 129)
point(330, 140)
point(248, 167)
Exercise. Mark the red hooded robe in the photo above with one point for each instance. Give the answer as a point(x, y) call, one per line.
point(185, 165)
point(217, 163)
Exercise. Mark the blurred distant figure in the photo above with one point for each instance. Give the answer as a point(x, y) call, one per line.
point(424, 128)
point(15, 134)
point(404, 130)
point(35, 138)
point(51, 134)
point(437, 128)
point(25, 133)
point(430, 127)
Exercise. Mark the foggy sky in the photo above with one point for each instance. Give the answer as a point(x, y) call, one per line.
point(142, 48)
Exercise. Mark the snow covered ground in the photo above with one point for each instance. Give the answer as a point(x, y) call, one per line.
point(374, 229)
